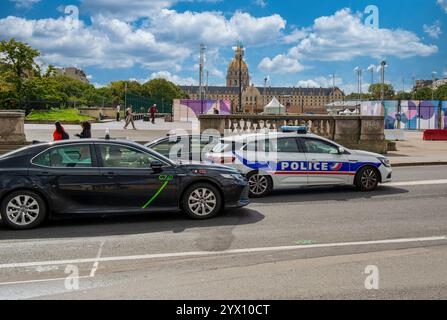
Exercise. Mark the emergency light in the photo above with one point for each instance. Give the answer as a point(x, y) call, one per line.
point(297, 129)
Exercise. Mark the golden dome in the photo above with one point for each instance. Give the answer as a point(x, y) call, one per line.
point(234, 65)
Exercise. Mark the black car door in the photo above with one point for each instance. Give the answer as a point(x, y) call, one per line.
point(131, 185)
point(70, 176)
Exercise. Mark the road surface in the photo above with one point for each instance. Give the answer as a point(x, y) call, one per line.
point(319, 243)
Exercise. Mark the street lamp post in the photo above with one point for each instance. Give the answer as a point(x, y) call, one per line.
point(433, 76)
point(382, 71)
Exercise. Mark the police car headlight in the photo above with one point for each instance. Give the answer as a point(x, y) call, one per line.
point(232, 176)
point(385, 162)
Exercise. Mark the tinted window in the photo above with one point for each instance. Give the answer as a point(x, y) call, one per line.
point(319, 146)
point(164, 147)
point(115, 156)
point(73, 156)
point(286, 145)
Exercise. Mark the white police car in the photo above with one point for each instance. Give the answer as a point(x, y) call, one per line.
point(295, 158)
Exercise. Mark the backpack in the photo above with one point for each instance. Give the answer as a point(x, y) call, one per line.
point(65, 136)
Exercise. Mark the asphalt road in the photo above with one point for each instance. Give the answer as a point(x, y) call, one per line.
point(301, 244)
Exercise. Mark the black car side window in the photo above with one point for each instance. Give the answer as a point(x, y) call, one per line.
point(116, 156)
point(71, 156)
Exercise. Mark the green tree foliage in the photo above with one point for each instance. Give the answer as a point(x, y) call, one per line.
point(441, 93)
point(161, 89)
point(375, 91)
point(17, 59)
point(423, 94)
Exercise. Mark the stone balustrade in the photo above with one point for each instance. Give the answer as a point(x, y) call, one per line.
point(355, 132)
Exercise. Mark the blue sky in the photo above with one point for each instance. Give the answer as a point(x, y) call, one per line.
point(293, 43)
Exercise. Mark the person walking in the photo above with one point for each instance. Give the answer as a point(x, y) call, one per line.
point(60, 133)
point(153, 111)
point(86, 130)
point(129, 118)
point(118, 110)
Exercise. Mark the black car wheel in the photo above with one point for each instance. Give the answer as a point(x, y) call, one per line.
point(202, 201)
point(23, 210)
point(260, 186)
point(367, 179)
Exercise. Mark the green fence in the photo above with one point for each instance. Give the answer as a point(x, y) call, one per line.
point(141, 104)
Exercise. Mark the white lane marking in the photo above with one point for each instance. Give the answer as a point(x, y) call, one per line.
point(214, 253)
point(98, 256)
point(415, 183)
point(40, 280)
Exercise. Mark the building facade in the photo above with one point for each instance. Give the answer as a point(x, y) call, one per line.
point(74, 73)
point(296, 99)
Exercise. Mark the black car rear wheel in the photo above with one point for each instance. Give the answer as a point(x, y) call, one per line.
point(23, 210)
point(202, 201)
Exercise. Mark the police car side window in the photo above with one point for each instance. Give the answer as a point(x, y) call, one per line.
point(287, 145)
point(319, 146)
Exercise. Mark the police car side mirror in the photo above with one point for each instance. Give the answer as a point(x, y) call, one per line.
point(341, 150)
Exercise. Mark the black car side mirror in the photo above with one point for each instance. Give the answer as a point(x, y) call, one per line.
point(157, 166)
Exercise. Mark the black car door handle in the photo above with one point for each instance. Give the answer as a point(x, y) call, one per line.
point(110, 174)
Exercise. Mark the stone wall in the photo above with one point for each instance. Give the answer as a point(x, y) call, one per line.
point(12, 130)
point(94, 112)
point(353, 132)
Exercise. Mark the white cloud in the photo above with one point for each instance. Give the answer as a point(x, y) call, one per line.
point(443, 4)
point(173, 78)
point(260, 3)
point(214, 29)
point(295, 36)
point(24, 4)
point(108, 43)
point(280, 64)
point(343, 37)
point(320, 82)
point(434, 30)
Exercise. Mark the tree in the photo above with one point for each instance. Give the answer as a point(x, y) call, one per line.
point(376, 91)
point(423, 94)
point(403, 95)
point(18, 62)
point(441, 93)
point(161, 89)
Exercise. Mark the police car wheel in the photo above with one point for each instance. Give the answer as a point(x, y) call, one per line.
point(367, 179)
point(23, 210)
point(202, 201)
point(259, 185)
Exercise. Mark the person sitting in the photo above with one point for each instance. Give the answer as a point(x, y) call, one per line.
point(60, 133)
point(86, 130)
point(56, 160)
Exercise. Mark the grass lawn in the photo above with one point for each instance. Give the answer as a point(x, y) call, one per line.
point(67, 115)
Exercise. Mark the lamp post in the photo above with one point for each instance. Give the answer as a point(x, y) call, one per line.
point(433, 76)
point(382, 71)
point(333, 86)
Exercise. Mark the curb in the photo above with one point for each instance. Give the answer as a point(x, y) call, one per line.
point(419, 164)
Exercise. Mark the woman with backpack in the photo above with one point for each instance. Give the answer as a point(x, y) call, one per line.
point(86, 130)
point(60, 133)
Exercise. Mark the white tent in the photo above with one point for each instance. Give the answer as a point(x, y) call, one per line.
point(274, 107)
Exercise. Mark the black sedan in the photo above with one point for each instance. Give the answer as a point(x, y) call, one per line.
point(85, 177)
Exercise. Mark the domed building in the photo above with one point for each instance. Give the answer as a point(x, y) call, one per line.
point(238, 66)
point(297, 100)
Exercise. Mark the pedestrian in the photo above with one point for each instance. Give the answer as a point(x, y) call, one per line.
point(86, 132)
point(129, 118)
point(60, 133)
point(118, 111)
point(153, 111)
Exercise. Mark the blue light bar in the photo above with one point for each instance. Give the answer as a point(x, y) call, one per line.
point(297, 129)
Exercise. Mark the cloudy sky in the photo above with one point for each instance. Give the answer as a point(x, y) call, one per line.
point(293, 43)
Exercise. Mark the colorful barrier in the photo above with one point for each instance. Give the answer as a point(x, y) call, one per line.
point(187, 110)
point(444, 115)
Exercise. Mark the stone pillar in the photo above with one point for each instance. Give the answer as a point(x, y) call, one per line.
point(12, 130)
point(347, 131)
point(372, 134)
point(216, 122)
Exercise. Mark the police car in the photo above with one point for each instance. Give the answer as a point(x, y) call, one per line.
point(295, 158)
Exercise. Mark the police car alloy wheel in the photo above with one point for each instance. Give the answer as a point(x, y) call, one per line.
point(367, 179)
point(260, 186)
point(202, 201)
point(23, 210)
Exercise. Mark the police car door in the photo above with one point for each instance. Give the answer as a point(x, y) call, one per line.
point(325, 164)
point(289, 157)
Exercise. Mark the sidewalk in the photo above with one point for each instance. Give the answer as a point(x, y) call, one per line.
point(415, 151)
point(146, 131)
